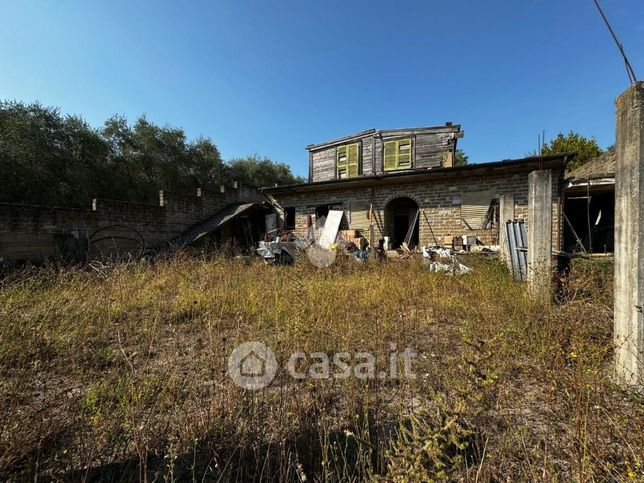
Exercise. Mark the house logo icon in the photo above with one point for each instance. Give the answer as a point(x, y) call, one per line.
point(252, 365)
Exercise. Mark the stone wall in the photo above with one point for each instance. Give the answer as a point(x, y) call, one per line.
point(439, 201)
point(37, 233)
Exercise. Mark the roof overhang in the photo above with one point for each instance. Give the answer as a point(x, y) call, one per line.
point(450, 128)
point(596, 185)
point(505, 167)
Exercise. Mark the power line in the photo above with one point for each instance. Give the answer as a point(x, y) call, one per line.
point(629, 69)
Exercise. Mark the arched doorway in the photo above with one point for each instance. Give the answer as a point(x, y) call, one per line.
point(400, 213)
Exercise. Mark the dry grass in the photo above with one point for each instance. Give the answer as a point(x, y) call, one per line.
point(120, 375)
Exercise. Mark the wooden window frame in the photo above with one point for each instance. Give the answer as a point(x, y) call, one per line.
point(347, 165)
point(395, 163)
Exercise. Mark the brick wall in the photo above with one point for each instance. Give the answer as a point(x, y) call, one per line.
point(32, 232)
point(439, 201)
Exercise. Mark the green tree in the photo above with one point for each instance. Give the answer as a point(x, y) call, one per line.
point(586, 148)
point(258, 171)
point(47, 158)
point(461, 159)
point(147, 157)
point(205, 167)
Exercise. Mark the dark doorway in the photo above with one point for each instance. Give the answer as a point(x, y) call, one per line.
point(590, 221)
point(400, 214)
point(289, 218)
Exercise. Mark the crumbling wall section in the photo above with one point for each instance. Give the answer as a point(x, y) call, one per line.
point(37, 233)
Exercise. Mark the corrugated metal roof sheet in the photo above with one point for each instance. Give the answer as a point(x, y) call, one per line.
point(224, 216)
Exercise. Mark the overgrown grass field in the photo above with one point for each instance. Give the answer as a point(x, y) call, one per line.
point(120, 374)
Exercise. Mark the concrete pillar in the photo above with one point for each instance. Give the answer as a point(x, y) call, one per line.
point(540, 231)
point(506, 212)
point(629, 238)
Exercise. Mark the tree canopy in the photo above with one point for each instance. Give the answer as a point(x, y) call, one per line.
point(586, 148)
point(262, 171)
point(54, 159)
point(461, 159)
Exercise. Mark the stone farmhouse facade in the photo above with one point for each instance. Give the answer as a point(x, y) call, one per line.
point(385, 180)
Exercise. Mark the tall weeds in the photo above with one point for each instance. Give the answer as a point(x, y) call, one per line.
point(119, 373)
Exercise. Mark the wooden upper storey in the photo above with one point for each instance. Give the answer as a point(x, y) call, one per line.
point(376, 152)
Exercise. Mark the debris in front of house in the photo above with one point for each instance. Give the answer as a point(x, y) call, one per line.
point(486, 249)
point(462, 243)
point(362, 243)
point(469, 241)
point(281, 248)
point(407, 252)
point(277, 252)
point(321, 257)
point(331, 227)
point(381, 253)
point(361, 255)
point(439, 252)
point(318, 227)
point(331, 241)
point(325, 241)
point(350, 236)
point(452, 268)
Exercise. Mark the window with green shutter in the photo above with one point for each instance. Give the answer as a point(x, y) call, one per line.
point(348, 161)
point(398, 154)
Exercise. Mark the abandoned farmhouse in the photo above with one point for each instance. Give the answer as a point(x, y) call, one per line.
point(392, 182)
point(397, 185)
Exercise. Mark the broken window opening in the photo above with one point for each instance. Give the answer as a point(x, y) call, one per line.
point(321, 210)
point(596, 213)
point(289, 218)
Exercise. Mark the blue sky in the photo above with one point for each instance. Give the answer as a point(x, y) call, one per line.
point(270, 77)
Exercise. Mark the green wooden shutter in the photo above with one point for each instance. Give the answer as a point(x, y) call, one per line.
point(404, 153)
point(353, 158)
point(389, 156)
point(348, 161)
point(398, 154)
point(341, 162)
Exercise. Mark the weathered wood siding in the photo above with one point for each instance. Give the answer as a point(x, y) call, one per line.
point(430, 146)
point(323, 164)
point(366, 151)
point(323, 161)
